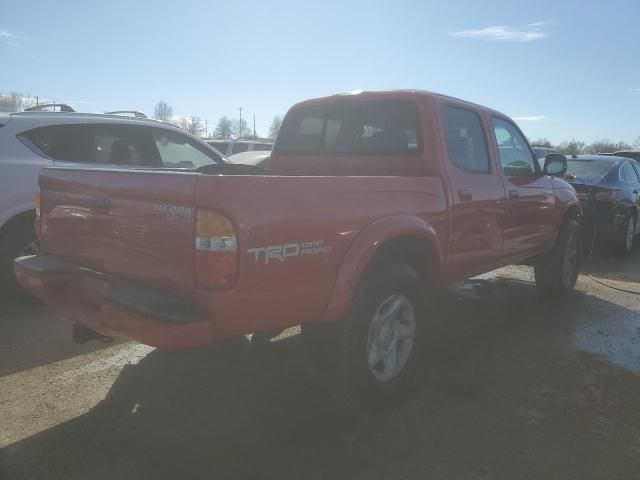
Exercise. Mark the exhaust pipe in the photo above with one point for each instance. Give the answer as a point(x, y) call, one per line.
point(81, 334)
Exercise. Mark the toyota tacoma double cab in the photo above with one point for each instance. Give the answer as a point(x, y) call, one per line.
point(368, 204)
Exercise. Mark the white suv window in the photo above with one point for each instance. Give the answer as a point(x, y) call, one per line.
point(94, 143)
point(177, 152)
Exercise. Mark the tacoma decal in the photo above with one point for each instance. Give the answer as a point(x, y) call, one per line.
point(282, 252)
point(175, 212)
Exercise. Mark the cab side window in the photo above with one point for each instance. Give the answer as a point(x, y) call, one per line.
point(465, 140)
point(628, 173)
point(516, 157)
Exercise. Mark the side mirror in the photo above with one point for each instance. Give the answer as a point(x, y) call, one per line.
point(555, 164)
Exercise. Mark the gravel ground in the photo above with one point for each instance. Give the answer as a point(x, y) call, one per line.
point(515, 387)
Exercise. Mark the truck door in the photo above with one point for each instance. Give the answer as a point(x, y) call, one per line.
point(477, 193)
point(530, 201)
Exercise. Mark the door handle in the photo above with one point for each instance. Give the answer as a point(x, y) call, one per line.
point(514, 194)
point(465, 195)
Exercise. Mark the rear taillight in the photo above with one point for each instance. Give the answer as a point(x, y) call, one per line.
point(216, 250)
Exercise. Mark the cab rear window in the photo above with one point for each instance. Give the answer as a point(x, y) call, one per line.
point(383, 128)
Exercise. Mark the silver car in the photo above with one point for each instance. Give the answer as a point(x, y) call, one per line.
point(32, 140)
point(234, 147)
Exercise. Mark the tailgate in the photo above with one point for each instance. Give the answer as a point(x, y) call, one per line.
point(137, 224)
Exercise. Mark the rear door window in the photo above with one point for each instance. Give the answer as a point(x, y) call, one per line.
point(381, 128)
point(95, 143)
point(465, 139)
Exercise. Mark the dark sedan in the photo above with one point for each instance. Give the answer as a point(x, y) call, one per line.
point(629, 154)
point(609, 189)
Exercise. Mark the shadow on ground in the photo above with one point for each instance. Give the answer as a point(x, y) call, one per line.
point(504, 396)
point(608, 265)
point(32, 335)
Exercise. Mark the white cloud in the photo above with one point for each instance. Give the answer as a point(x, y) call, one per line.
point(504, 33)
point(633, 91)
point(11, 39)
point(532, 118)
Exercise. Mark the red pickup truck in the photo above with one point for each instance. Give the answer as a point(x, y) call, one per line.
point(368, 203)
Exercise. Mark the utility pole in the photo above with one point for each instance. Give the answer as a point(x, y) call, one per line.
point(254, 126)
point(206, 128)
point(240, 124)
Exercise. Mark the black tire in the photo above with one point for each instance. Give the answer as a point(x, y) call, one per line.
point(625, 242)
point(360, 382)
point(557, 272)
point(18, 240)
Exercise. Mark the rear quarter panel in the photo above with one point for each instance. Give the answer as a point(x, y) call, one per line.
point(279, 210)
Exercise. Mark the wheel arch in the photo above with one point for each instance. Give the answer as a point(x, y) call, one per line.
point(403, 238)
point(24, 216)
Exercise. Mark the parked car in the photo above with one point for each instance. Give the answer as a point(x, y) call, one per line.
point(373, 203)
point(609, 190)
point(541, 153)
point(629, 154)
point(30, 141)
point(257, 158)
point(233, 147)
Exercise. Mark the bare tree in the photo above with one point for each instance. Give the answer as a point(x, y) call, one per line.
point(542, 142)
point(163, 111)
point(196, 126)
point(574, 147)
point(276, 123)
point(240, 130)
point(606, 146)
point(192, 125)
point(12, 102)
point(636, 143)
point(224, 128)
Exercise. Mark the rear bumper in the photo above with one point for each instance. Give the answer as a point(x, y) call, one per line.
point(609, 223)
point(113, 305)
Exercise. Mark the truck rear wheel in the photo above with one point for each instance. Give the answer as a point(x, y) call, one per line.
point(557, 272)
point(381, 339)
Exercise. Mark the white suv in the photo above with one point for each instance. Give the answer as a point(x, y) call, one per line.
point(32, 140)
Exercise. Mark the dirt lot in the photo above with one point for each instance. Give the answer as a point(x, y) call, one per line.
point(515, 388)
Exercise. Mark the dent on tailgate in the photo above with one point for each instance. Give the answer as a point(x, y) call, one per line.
point(138, 224)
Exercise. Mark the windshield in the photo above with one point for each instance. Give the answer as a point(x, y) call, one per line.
point(588, 169)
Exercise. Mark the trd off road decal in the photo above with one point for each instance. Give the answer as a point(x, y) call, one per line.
point(282, 252)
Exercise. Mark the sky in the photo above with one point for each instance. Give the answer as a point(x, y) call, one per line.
point(562, 69)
